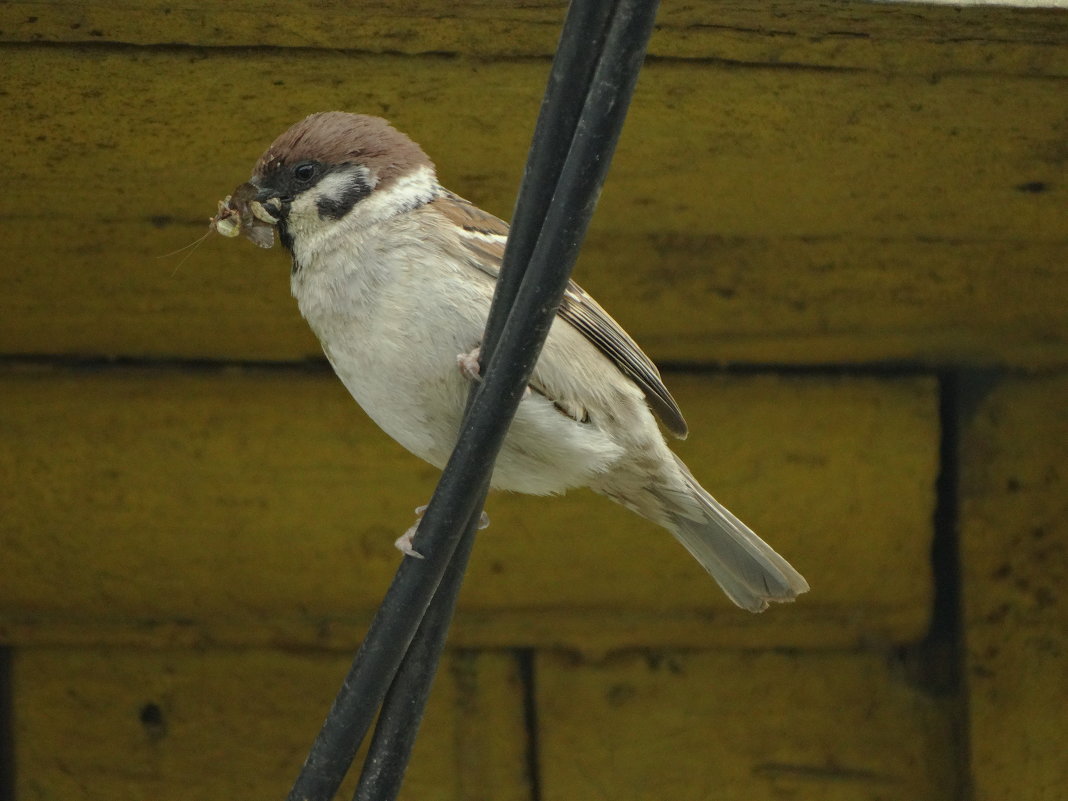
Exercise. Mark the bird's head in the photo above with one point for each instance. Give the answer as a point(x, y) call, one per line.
point(335, 172)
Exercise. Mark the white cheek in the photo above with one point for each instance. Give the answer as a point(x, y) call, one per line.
point(305, 222)
point(335, 185)
point(303, 211)
point(332, 187)
point(315, 236)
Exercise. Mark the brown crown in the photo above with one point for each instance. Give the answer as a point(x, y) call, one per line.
point(337, 137)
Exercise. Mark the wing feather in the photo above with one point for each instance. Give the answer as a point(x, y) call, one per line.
point(485, 240)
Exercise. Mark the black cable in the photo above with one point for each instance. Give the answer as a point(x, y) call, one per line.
point(580, 48)
point(457, 501)
point(402, 710)
point(569, 86)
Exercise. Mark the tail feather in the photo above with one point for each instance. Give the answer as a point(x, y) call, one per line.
point(748, 570)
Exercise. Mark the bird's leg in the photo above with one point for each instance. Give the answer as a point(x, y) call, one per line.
point(403, 543)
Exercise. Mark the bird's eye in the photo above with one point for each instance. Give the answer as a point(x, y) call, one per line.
point(304, 172)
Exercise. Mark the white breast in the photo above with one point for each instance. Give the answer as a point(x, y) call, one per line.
point(392, 314)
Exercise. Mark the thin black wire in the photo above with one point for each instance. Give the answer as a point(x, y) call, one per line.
point(457, 501)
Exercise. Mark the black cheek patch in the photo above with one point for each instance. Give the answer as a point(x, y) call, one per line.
point(334, 208)
point(284, 235)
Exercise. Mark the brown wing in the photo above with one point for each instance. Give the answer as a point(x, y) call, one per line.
point(469, 216)
point(586, 314)
point(486, 246)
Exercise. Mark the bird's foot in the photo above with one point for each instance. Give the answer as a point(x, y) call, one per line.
point(469, 365)
point(404, 542)
point(472, 370)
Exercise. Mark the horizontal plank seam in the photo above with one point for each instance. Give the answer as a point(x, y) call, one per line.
point(101, 363)
point(503, 58)
point(668, 240)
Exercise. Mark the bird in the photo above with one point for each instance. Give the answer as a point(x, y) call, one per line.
point(395, 275)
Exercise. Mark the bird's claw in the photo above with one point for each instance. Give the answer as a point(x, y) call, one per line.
point(404, 542)
point(471, 368)
point(469, 364)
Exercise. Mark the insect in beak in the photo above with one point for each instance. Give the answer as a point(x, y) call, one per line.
point(241, 213)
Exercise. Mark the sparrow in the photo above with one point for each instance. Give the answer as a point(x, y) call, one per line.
point(395, 274)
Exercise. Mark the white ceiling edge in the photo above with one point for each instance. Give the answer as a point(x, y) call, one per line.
point(1014, 3)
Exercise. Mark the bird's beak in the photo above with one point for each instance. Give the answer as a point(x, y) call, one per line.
point(264, 202)
point(250, 211)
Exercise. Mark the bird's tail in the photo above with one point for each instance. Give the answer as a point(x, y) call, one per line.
point(748, 570)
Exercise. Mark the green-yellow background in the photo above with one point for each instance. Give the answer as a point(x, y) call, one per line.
point(841, 227)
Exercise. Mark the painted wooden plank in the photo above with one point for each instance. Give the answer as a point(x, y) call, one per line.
point(260, 506)
point(1014, 530)
point(763, 215)
point(799, 153)
point(133, 724)
point(692, 300)
point(740, 725)
point(857, 35)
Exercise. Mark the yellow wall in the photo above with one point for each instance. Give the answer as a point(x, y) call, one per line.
point(863, 204)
